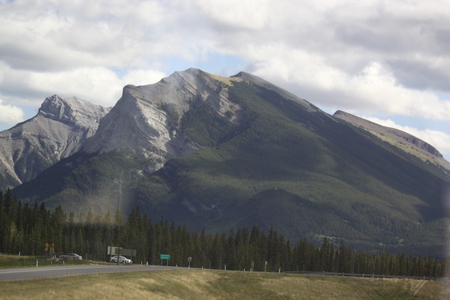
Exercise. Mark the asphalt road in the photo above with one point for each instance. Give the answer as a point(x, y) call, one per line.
point(67, 271)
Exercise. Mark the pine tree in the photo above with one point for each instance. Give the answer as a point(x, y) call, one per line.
point(273, 249)
point(71, 218)
point(325, 255)
point(107, 218)
point(217, 252)
point(231, 252)
point(343, 265)
point(2, 222)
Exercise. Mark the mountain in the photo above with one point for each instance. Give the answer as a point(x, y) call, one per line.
point(56, 132)
point(146, 119)
point(221, 153)
point(399, 139)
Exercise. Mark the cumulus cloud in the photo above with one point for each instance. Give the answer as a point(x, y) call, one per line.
point(388, 57)
point(10, 114)
point(371, 56)
point(96, 84)
point(74, 48)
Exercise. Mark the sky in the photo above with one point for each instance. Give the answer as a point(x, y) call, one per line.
point(387, 61)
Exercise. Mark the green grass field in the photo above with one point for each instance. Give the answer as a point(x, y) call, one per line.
point(17, 261)
point(210, 284)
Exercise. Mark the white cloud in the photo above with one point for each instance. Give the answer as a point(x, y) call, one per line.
point(247, 15)
point(10, 114)
point(97, 85)
point(142, 77)
point(361, 56)
point(56, 42)
point(374, 89)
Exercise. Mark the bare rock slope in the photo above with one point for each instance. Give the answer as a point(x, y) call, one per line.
point(146, 120)
point(57, 131)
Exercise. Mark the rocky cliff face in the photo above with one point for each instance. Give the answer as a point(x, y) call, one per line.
point(57, 131)
point(148, 119)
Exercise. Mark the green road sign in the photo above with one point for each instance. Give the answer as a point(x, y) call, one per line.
point(164, 256)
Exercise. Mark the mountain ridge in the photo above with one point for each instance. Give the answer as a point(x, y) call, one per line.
point(57, 131)
point(258, 154)
point(400, 139)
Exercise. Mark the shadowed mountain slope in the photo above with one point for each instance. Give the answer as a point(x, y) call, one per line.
point(399, 139)
point(204, 150)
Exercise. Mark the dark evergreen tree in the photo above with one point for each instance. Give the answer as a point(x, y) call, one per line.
point(27, 229)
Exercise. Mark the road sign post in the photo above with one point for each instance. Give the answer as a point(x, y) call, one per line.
point(166, 257)
point(189, 260)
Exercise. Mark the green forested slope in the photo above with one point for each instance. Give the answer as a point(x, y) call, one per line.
point(306, 173)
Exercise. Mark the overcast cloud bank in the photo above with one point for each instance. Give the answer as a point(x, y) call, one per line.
point(379, 59)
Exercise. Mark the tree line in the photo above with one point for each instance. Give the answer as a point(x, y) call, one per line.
point(26, 229)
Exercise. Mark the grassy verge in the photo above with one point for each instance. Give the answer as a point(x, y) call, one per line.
point(16, 261)
point(209, 284)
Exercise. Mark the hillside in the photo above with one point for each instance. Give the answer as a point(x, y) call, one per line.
point(211, 284)
point(399, 139)
point(264, 157)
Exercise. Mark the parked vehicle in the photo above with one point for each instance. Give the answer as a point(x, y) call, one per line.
point(70, 256)
point(122, 260)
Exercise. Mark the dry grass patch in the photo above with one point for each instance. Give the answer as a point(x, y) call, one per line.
point(207, 284)
point(440, 290)
point(226, 80)
point(295, 287)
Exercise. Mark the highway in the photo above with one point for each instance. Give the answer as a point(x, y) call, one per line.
point(35, 273)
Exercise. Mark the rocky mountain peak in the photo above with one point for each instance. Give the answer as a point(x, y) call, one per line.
point(57, 131)
point(71, 111)
point(147, 119)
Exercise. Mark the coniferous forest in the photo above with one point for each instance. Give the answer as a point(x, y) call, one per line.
point(26, 229)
